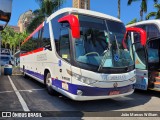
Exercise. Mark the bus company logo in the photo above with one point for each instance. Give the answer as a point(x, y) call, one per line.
point(111, 77)
point(115, 85)
point(6, 114)
point(119, 77)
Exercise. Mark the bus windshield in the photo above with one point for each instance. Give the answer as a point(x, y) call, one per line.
point(100, 43)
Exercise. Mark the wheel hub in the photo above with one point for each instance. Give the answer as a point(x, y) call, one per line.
point(49, 82)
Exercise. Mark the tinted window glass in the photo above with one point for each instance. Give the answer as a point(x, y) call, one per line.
point(153, 48)
point(139, 53)
point(56, 26)
point(64, 50)
point(46, 36)
point(152, 31)
point(31, 44)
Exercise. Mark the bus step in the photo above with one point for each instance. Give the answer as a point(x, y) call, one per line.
point(157, 85)
point(157, 79)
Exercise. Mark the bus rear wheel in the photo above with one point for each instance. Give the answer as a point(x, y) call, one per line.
point(24, 74)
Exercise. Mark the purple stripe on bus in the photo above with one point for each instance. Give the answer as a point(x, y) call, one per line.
point(92, 91)
point(35, 74)
point(87, 91)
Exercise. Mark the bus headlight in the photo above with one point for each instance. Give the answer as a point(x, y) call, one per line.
point(133, 79)
point(83, 79)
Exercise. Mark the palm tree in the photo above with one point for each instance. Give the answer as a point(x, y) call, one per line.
point(12, 39)
point(154, 14)
point(47, 7)
point(119, 9)
point(132, 21)
point(143, 6)
point(6, 35)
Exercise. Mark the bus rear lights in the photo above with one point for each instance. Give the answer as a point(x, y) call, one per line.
point(79, 92)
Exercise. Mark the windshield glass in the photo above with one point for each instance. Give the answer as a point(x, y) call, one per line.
point(100, 43)
point(153, 51)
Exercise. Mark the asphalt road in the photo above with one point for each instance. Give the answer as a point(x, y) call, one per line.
point(36, 98)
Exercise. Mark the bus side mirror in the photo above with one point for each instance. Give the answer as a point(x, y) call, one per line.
point(142, 33)
point(74, 24)
point(5, 12)
point(48, 47)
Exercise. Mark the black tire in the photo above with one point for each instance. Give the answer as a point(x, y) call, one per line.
point(49, 84)
point(49, 88)
point(24, 74)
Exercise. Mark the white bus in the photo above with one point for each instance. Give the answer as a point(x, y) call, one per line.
point(147, 58)
point(5, 56)
point(79, 53)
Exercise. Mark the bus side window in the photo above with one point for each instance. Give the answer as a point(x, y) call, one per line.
point(152, 31)
point(64, 44)
point(46, 37)
point(31, 44)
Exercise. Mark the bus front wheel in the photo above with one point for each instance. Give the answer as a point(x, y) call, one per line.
point(49, 84)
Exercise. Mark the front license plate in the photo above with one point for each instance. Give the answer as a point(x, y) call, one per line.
point(114, 93)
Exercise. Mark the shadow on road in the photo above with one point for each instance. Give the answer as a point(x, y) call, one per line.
point(44, 102)
point(115, 104)
point(136, 99)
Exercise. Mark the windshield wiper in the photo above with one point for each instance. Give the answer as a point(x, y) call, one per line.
point(106, 54)
point(115, 37)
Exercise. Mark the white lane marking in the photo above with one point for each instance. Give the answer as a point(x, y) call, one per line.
point(30, 90)
point(6, 91)
point(21, 100)
point(22, 90)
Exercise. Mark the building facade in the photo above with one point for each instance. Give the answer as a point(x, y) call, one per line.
point(15, 28)
point(83, 4)
point(24, 20)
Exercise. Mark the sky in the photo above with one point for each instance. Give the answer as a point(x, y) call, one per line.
point(109, 7)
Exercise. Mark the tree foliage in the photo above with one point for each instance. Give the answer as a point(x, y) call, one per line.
point(143, 7)
point(132, 21)
point(47, 7)
point(154, 14)
point(12, 39)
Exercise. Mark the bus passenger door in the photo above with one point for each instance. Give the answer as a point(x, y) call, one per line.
point(138, 53)
point(64, 52)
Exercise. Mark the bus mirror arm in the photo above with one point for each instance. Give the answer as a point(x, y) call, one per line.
point(48, 47)
point(74, 24)
point(142, 32)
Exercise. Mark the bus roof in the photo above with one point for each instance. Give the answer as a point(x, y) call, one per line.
point(145, 22)
point(70, 10)
point(82, 11)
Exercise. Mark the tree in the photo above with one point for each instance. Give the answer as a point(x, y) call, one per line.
point(12, 39)
point(6, 35)
point(119, 9)
point(154, 14)
point(47, 7)
point(132, 21)
point(143, 8)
